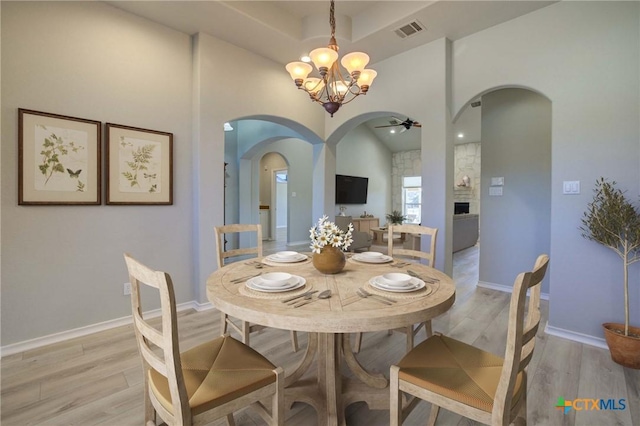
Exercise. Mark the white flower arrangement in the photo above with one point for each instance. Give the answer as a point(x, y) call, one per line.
point(326, 233)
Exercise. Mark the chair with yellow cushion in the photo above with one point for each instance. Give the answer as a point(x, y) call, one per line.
point(207, 382)
point(467, 380)
point(244, 328)
point(429, 256)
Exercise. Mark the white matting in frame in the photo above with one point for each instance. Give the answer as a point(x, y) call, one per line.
point(58, 159)
point(139, 166)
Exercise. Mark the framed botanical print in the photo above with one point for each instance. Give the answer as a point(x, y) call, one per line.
point(58, 159)
point(139, 166)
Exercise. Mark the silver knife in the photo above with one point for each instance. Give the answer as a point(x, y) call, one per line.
point(306, 293)
point(425, 279)
point(306, 302)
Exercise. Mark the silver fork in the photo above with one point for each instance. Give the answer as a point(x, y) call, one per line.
point(245, 278)
point(364, 294)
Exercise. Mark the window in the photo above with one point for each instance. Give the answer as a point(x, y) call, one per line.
point(412, 198)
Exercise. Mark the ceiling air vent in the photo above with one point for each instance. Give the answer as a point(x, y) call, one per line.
point(410, 29)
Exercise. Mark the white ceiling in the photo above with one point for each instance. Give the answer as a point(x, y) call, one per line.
point(284, 30)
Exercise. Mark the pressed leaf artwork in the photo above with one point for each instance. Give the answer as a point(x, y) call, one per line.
point(62, 161)
point(140, 162)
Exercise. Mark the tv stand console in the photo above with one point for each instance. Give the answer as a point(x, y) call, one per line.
point(365, 224)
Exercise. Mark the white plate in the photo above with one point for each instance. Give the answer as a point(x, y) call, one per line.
point(286, 259)
point(415, 284)
point(276, 279)
point(255, 284)
point(395, 279)
point(371, 254)
point(261, 283)
point(287, 254)
point(370, 259)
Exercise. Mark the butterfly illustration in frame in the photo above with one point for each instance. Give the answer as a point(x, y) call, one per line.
point(75, 174)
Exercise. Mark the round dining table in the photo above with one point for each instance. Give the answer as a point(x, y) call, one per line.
point(330, 321)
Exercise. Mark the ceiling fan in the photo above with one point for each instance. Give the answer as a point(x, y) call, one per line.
point(406, 124)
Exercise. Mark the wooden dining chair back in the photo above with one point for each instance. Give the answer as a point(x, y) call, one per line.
point(430, 256)
point(244, 328)
point(222, 253)
point(209, 381)
point(467, 380)
point(417, 230)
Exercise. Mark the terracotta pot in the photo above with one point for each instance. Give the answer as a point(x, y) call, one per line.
point(330, 260)
point(625, 350)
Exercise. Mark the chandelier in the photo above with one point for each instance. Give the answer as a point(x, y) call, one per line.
point(332, 89)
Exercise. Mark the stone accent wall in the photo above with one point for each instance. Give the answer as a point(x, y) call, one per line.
point(405, 163)
point(466, 162)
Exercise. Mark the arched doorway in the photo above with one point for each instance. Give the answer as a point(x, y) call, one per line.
point(513, 193)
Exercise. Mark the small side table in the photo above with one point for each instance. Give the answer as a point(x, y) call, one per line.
point(378, 234)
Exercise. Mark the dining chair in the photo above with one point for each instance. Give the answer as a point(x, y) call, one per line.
point(430, 256)
point(467, 380)
point(420, 232)
point(255, 230)
point(207, 382)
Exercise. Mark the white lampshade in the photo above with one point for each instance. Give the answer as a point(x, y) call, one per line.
point(313, 84)
point(323, 57)
point(298, 70)
point(366, 77)
point(339, 87)
point(355, 61)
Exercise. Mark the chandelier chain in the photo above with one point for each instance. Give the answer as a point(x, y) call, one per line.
point(332, 19)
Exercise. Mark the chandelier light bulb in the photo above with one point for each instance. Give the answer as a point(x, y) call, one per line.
point(366, 77)
point(355, 62)
point(323, 57)
point(298, 70)
point(313, 85)
point(339, 87)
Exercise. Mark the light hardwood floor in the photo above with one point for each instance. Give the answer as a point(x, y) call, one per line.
point(97, 380)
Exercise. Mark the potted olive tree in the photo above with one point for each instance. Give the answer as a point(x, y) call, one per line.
point(611, 220)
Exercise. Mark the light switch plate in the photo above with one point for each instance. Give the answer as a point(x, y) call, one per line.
point(497, 181)
point(571, 187)
point(495, 191)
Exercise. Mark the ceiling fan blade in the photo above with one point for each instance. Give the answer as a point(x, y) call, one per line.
point(416, 124)
point(404, 129)
point(390, 125)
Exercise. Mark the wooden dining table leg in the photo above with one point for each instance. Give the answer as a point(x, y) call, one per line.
point(330, 378)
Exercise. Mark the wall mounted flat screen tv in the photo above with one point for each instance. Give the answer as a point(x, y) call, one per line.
point(351, 189)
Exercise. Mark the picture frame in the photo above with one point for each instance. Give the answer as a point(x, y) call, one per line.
point(58, 159)
point(139, 166)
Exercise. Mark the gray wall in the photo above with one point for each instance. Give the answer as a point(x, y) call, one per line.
point(583, 56)
point(62, 266)
point(516, 145)
point(269, 162)
point(360, 153)
point(298, 155)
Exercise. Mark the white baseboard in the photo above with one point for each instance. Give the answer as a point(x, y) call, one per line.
point(576, 337)
point(90, 329)
point(554, 331)
point(298, 243)
point(505, 288)
point(201, 306)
